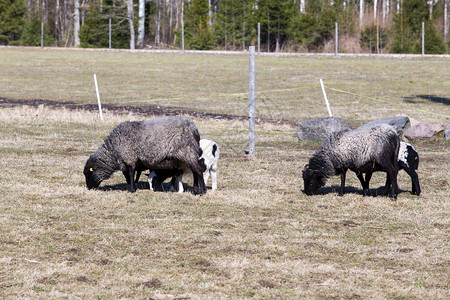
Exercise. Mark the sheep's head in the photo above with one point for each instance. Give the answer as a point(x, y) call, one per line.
point(312, 180)
point(202, 164)
point(92, 174)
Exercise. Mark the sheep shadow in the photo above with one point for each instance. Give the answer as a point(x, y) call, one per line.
point(122, 186)
point(143, 185)
point(432, 98)
point(373, 192)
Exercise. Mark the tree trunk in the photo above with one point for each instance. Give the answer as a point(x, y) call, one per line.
point(446, 20)
point(45, 12)
point(76, 23)
point(303, 6)
point(83, 11)
point(361, 13)
point(130, 21)
point(375, 8)
point(170, 22)
point(57, 29)
point(177, 20)
point(209, 13)
point(141, 27)
point(158, 23)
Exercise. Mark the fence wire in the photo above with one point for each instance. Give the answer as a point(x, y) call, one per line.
point(360, 89)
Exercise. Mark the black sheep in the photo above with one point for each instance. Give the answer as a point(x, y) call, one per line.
point(160, 143)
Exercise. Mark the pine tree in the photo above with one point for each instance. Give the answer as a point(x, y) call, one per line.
point(95, 31)
point(198, 34)
point(408, 29)
point(12, 20)
point(233, 26)
point(276, 18)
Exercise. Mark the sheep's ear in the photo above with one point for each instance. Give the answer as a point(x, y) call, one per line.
point(305, 168)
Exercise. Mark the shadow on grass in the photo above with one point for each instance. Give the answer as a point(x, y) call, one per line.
point(436, 99)
point(334, 189)
point(143, 185)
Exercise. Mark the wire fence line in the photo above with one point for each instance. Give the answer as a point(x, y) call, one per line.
point(359, 89)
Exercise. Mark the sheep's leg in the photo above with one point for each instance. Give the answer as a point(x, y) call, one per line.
point(387, 185)
point(179, 183)
point(414, 181)
point(132, 183)
point(368, 177)
point(364, 182)
point(138, 175)
point(392, 181)
point(199, 183)
point(342, 191)
point(206, 176)
point(213, 178)
point(150, 180)
point(127, 177)
point(157, 184)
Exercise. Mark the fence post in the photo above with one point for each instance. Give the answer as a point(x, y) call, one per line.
point(98, 97)
point(423, 38)
point(251, 100)
point(325, 97)
point(336, 43)
point(42, 34)
point(259, 38)
point(110, 34)
point(182, 35)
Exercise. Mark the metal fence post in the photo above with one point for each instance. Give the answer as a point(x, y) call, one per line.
point(423, 38)
point(259, 38)
point(251, 101)
point(336, 43)
point(182, 35)
point(109, 33)
point(42, 34)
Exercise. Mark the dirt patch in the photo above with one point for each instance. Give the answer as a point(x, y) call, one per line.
point(152, 283)
point(141, 110)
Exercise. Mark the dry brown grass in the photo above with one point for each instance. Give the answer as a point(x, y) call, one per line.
point(257, 236)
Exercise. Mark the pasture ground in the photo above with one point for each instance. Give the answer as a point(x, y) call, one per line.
point(257, 236)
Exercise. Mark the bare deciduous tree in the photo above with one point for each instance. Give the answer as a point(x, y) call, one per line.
point(76, 23)
point(130, 15)
point(141, 27)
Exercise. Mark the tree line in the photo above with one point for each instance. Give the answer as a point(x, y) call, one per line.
point(374, 26)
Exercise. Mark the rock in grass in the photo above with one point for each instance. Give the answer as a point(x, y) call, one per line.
point(315, 130)
point(400, 123)
point(423, 130)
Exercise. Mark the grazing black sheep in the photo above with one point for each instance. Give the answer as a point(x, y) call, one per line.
point(361, 150)
point(160, 143)
point(408, 160)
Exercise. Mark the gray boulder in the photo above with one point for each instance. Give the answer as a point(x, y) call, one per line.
point(447, 132)
point(423, 130)
point(401, 123)
point(315, 130)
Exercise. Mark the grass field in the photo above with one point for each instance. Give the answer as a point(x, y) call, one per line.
point(257, 236)
point(286, 87)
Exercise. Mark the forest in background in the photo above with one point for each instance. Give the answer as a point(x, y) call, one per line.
point(365, 26)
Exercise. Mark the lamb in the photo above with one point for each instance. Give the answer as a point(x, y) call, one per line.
point(361, 150)
point(209, 159)
point(408, 160)
point(160, 143)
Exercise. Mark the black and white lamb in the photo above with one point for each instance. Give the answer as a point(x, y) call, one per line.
point(408, 160)
point(161, 143)
point(361, 150)
point(209, 158)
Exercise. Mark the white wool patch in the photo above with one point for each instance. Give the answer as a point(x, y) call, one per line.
point(207, 148)
point(403, 153)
